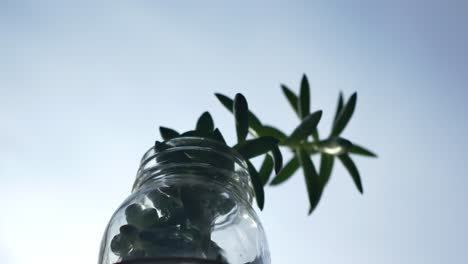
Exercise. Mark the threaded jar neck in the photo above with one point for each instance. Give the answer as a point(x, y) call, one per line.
point(196, 158)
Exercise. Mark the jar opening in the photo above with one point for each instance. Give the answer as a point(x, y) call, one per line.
point(196, 157)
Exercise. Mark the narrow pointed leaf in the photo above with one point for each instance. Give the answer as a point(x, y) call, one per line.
point(304, 98)
point(205, 123)
point(278, 158)
point(344, 116)
point(254, 122)
point(266, 169)
point(196, 133)
point(359, 150)
point(257, 184)
point(353, 171)
point(241, 114)
point(228, 103)
point(339, 107)
point(291, 97)
point(167, 133)
point(326, 167)
point(218, 136)
point(273, 132)
point(307, 126)
point(255, 147)
point(314, 187)
point(286, 172)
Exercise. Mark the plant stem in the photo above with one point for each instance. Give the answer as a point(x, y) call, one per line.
point(310, 147)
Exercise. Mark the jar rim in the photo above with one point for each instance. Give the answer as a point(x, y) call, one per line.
point(152, 169)
point(151, 153)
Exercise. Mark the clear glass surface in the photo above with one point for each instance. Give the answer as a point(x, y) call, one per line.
point(191, 203)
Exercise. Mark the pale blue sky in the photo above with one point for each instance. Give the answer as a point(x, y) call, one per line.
point(84, 85)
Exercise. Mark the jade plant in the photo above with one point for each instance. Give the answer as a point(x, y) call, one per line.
point(185, 221)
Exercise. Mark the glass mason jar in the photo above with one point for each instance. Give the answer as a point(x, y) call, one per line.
point(191, 203)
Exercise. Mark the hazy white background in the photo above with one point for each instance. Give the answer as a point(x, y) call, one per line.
point(84, 85)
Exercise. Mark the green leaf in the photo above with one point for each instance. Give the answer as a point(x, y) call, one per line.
point(196, 133)
point(278, 158)
point(326, 167)
point(167, 133)
point(339, 107)
point(286, 172)
point(255, 147)
point(205, 123)
point(266, 169)
point(356, 149)
point(304, 98)
point(257, 184)
point(314, 187)
point(218, 136)
point(228, 103)
point(254, 123)
point(344, 116)
point(353, 171)
point(273, 132)
point(307, 126)
point(291, 97)
point(241, 114)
